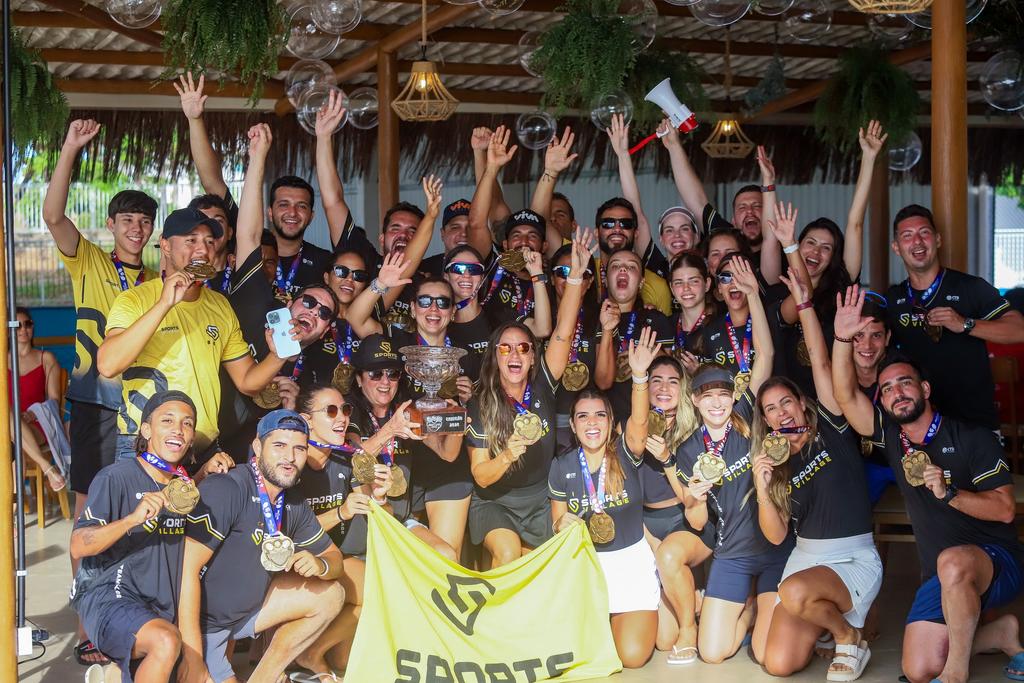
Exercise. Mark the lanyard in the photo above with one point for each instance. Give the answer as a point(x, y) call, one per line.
point(297, 370)
point(926, 294)
point(388, 449)
point(933, 429)
point(124, 278)
point(499, 273)
point(285, 285)
point(742, 357)
point(596, 496)
point(524, 407)
point(420, 341)
point(344, 350)
point(574, 350)
point(344, 448)
point(271, 513)
point(164, 466)
point(225, 284)
point(792, 430)
point(628, 336)
point(681, 332)
point(713, 447)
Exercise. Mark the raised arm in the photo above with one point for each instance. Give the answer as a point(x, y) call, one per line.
point(332, 193)
point(55, 204)
point(871, 143)
point(206, 159)
point(771, 260)
point(499, 210)
point(389, 278)
point(557, 353)
point(556, 159)
point(784, 228)
point(764, 349)
point(854, 403)
point(641, 352)
point(417, 247)
point(540, 322)
point(814, 338)
point(478, 232)
point(250, 208)
point(690, 189)
point(618, 135)
point(604, 361)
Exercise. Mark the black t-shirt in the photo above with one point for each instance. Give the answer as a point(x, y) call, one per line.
point(325, 490)
point(533, 466)
point(503, 293)
point(974, 461)
point(656, 262)
point(732, 506)
point(655, 481)
point(566, 484)
point(713, 220)
point(716, 347)
point(691, 340)
point(315, 262)
point(229, 521)
point(968, 393)
point(145, 563)
point(475, 335)
point(586, 353)
point(362, 425)
point(828, 490)
point(353, 238)
point(432, 266)
point(869, 450)
point(630, 326)
point(321, 357)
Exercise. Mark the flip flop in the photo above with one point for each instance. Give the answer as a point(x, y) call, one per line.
point(856, 657)
point(1015, 669)
point(682, 655)
point(303, 677)
point(87, 648)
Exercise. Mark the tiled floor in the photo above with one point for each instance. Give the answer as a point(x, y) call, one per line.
point(49, 579)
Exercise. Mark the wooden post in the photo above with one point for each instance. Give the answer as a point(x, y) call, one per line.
point(949, 129)
point(387, 132)
point(878, 224)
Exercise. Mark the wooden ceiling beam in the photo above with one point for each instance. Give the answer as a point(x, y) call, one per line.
point(100, 19)
point(107, 86)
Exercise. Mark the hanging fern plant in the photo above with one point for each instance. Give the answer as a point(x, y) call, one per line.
point(867, 86)
point(233, 37)
point(39, 109)
point(586, 54)
point(652, 67)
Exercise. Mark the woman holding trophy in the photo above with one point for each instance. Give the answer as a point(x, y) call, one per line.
point(511, 434)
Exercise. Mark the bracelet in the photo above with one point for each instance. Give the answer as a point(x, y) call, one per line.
point(552, 176)
point(641, 380)
point(380, 502)
point(327, 567)
point(539, 278)
point(843, 339)
point(574, 281)
point(791, 249)
point(377, 287)
point(671, 462)
point(768, 188)
point(804, 306)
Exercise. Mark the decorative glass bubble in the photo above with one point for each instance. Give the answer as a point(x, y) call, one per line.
point(1002, 81)
point(718, 13)
point(337, 16)
point(304, 75)
point(905, 156)
point(500, 8)
point(605, 106)
point(134, 13)
point(363, 108)
point(924, 19)
point(772, 8)
point(313, 100)
point(305, 39)
point(682, 3)
point(528, 44)
point(890, 28)
point(807, 20)
point(642, 17)
point(535, 129)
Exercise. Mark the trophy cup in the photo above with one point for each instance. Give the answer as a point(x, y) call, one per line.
point(432, 366)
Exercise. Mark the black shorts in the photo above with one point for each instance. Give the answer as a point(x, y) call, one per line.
point(437, 479)
point(111, 623)
point(664, 521)
point(526, 512)
point(93, 437)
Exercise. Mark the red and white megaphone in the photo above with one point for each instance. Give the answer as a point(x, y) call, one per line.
point(679, 115)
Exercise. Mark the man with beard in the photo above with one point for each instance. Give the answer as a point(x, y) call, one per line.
point(256, 559)
point(454, 225)
point(617, 222)
point(959, 496)
point(942, 318)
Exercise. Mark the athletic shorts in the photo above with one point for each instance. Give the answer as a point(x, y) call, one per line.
point(440, 480)
point(664, 521)
point(525, 511)
point(215, 646)
point(855, 561)
point(93, 438)
point(1005, 586)
point(632, 578)
point(111, 623)
point(730, 578)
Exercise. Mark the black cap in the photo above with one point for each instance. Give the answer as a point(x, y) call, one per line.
point(281, 419)
point(375, 353)
point(181, 222)
point(162, 397)
point(711, 377)
point(459, 207)
point(526, 217)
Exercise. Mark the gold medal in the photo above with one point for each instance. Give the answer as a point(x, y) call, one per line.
point(602, 527)
point(776, 446)
point(399, 484)
point(449, 388)
point(182, 495)
point(934, 332)
point(740, 384)
point(512, 260)
point(399, 319)
point(656, 423)
point(342, 377)
point(576, 376)
point(269, 398)
point(201, 270)
point(622, 369)
point(866, 446)
point(803, 354)
point(710, 467)
point(528, 426)
point(275, 551)
point(362, 467)
point(914, 465)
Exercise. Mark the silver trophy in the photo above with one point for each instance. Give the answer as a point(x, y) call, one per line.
point(435, 368)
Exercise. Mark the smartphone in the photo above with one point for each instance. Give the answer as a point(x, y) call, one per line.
point(280, 323)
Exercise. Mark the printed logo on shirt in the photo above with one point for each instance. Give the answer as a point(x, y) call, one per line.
point(812, 468)
point(949, 449)
point(952, 297)
point(213, 332)
point(582, 505)
point(911, 320)
point(169, 328)
point(328, 502)
point(738, 468)
point(330, 347)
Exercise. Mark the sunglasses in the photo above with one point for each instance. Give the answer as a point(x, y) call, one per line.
point(443, 302)
point(563, 272)
point(876, 298)
point(311, 303)
point(343, 272)
point(392, 374)
point(465, 268)
point(624, 223)
point(505, 348)
point(332, 410)
point(725, 278)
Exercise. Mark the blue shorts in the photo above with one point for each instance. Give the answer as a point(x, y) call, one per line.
point(730, 578)
point(878, 477)
point(215, 645)
point(112, 623)
point(1005, 586)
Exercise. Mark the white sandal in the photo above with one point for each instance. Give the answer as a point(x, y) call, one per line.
point(854, 657)
point(682, 655)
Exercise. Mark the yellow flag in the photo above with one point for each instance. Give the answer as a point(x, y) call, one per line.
point(427, 620)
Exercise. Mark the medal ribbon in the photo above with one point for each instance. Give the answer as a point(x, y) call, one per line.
point(628, 336)
point(297, 370)
point(596, 496)
point(164, 466)
point(499, 273)
point(388, 449)
point(574, 350)
point(742, 357)
point(225, 284)
point(524, 407)
point(681, 332)
point(792, 430)
point(420, 341)
point(285, 285)
point(119, 267)
point(271, 513)
point(715, 448)
point(524, 303)
point(344, 448)
point(344, 350)
point(933, 429)
point(926, 294)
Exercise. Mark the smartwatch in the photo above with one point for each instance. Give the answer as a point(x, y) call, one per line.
point(968, 325)
point(951, 493)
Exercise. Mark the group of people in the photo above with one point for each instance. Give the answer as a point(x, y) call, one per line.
point(720, 405)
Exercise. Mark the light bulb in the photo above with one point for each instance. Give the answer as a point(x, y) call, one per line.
point(422, 83)
point(727, 126)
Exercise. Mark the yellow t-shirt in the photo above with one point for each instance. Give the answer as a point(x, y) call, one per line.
point(95, 283)
point(185, 353)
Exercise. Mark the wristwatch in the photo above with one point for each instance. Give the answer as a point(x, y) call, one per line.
point(968, 325)
point(951, 492)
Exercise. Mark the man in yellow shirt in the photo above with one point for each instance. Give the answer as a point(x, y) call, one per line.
point(176, 334)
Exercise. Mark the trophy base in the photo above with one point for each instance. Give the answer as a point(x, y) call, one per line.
point(447, 420)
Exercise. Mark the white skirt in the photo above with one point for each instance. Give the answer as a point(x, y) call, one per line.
point(855, 561)
point(632, 578)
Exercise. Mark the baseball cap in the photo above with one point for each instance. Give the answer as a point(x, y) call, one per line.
point(526, 217)
point(711, 377)
point(162, 397)
point(459, 207)
point(375, 352)
point(181, 222)
point(281, 419)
